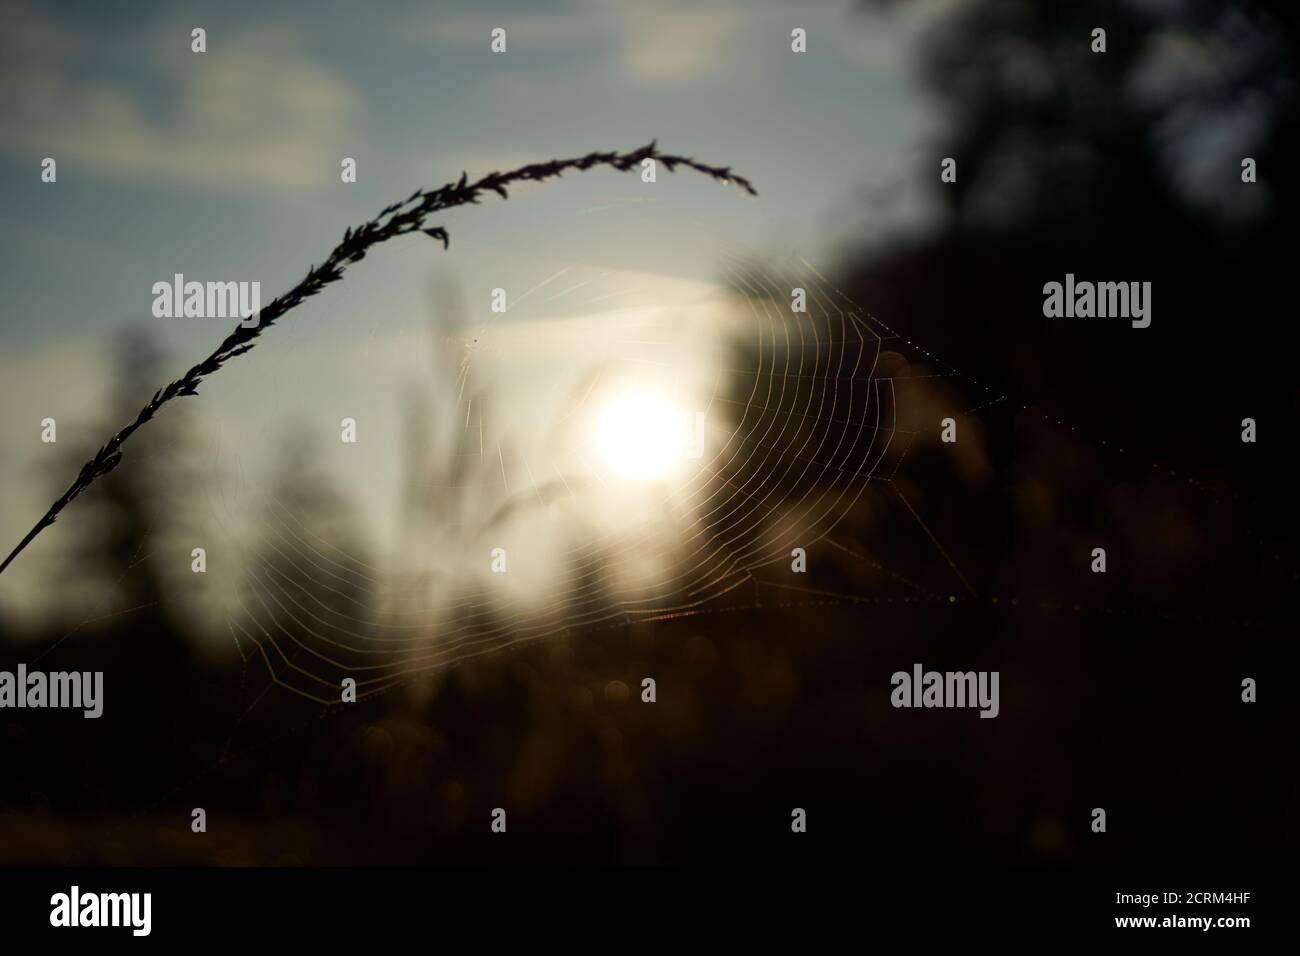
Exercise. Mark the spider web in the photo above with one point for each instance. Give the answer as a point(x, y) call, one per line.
point(810, 417)
point(799, 422)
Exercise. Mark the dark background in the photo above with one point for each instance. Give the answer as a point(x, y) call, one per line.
point(1119, 691)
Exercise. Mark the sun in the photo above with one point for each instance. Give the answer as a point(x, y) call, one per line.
point(639, 434)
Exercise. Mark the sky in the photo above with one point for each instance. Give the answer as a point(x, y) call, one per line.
point(225, 166)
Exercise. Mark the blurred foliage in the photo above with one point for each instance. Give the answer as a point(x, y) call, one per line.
point(1119, 692)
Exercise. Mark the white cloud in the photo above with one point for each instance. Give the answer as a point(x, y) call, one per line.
point(664, 43)
point(250, 110)
point(670, 46)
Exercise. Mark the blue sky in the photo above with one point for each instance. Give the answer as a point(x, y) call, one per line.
point(228, 161)
point(225, 166)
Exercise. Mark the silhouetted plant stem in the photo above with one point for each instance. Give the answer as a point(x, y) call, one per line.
point(399, 219)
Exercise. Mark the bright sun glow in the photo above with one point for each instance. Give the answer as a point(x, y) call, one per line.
point(640, 435)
